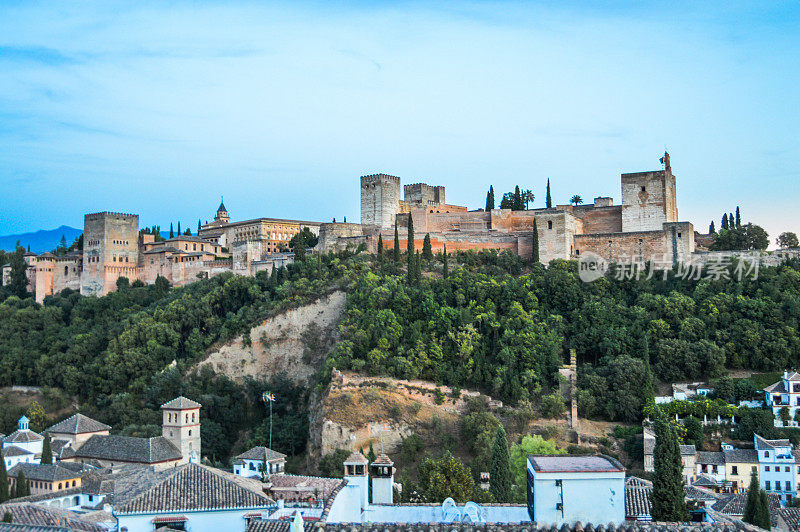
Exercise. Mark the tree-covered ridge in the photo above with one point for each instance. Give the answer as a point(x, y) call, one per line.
point(485, 326)
point(124, 354)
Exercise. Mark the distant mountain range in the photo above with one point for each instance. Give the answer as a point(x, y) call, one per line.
point(40, 241)
point(46, 240)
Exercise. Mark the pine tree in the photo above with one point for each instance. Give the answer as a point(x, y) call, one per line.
point(517, 206)
point(444, 262)
point(47, 451)
point(410, 251)
point(725, 221)
point(396, 250)
point(3, 481)
point(171, 232)
point(380, 246)
point(490, 199)
point(668, 495)
point(738, 217)
point(548, 200)
point(535, 243)
point(711, 229)
point(500, 468)
point(427, 252)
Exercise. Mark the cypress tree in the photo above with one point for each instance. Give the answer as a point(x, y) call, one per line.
point(21, 488)
point(738, 217)
point(490, 199)
point(371, 456)
point(711, 229)
point(548, 200)
point(179, 228)
point(517, 206)
point(731, 221)
point(751, 501)
point(47, 451)
point(725, 221)
point(380, 246)
point(3, 481)
point(668, 495)
point(535, 244)
point(171, 232)
point(396, 251)
point(500, 468)
point(417, 268)
point(762, 511)
point(444, 262)
point(410, 250)
point(427, 252)
point(198, 227)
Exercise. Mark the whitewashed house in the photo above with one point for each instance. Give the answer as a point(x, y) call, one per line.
point(251, 463)
point(784, 393)
point(566, 489)
point(22, 446)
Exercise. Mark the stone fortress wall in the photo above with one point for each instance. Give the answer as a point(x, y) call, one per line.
point(644, 227)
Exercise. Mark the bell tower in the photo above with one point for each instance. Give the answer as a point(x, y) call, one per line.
point(181, 426)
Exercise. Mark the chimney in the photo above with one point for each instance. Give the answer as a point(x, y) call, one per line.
point(382, 470)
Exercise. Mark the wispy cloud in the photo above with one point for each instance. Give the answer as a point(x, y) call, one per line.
point(35, 54)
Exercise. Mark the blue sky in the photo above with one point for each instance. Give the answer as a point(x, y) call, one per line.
point(160, 108)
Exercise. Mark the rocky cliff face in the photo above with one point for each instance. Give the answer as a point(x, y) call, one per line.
point(357, 411)
point(295, 342)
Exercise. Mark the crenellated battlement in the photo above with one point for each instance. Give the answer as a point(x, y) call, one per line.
point(106, 214)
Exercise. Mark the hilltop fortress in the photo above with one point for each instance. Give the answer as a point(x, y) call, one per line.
point(645, 226)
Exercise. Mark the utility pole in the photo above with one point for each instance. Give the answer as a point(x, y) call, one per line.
point(268, 397)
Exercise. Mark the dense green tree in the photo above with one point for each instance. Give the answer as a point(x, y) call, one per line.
point(445, 269)
point(331, 466)
point(519, 203)
point(725, 224)
point(694, 432)
point(535, 243)
point(18, 283)
point(21, 487)
point(711, 229)
point(548, 202)
point(199, 225)
point(36, 416)
point(445, 477)
point(411, 256)
point(576, 200)
point(47, 450)
point(380, 246)
point(371, 456)
point(756, 508)
point(490, 199)
point(427, 252)
point(507, 201)
point(4, 487)
point(171, 232)
point(178, 232)
point(745, 237)
point(738, 217)
point(500, 468)
point(787, 240)
point(396, 249)
point(668, 495)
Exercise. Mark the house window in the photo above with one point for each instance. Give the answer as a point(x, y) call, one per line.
point(713, 469)
point(788, 486)
point(786, 469)
point(766, 468)
point(766, 455)
point(734, 470)
point(549, 224)
point(766, 485)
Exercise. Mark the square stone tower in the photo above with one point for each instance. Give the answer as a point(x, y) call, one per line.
point(110, 251)
point(648, 200)
point(181, 426)
point(380, 200)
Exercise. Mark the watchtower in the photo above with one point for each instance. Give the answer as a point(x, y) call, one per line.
point(181, 426)
point(110, 250)
point(649, 199)
point(380, 200)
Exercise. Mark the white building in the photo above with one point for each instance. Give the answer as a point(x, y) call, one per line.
point(566, 489)
point(251, 463)
point(22, 446)
point(776, 467)
point(784, 393)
